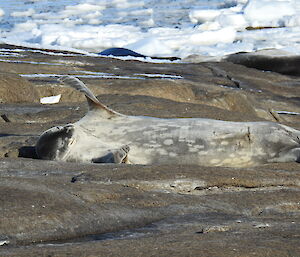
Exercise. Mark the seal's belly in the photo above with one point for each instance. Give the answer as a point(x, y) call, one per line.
point(232, 151)
point(161, 157)
point(209, 143)
point(197, 141)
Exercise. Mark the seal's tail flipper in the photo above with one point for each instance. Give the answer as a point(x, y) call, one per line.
point(91, 98)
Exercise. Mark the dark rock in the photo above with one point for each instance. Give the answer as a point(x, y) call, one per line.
point(5, 118)
point(12, 153)
point(150, 205)
point(68, 209)
point(284, 64)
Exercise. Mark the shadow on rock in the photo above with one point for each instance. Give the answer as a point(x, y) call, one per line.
point(27, 152)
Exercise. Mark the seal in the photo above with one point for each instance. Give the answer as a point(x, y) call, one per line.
point(119, 51)
point(106, 136)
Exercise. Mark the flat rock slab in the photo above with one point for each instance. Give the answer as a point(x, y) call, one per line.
point(269, 60)
point(15, 89)
point(224, 85)
point(84, 209)
point(66, 209)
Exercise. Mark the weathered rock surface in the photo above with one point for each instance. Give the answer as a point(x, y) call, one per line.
point(15, 89)
point(67, 209)
point(64, 208)
point(269, 60)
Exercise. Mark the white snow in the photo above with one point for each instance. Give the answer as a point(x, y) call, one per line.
point(27, 13)
point(85, 8)
point(224, 35)
point(150, 46)
point(103, 75)
point(154, 28)
point(263, 13)
point(201, 16)
point(288, 113)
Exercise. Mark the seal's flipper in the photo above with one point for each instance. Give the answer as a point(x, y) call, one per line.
point(114, 156)
point(93, 102)
point(121, 155)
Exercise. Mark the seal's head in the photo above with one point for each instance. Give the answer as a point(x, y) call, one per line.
point(55, 143)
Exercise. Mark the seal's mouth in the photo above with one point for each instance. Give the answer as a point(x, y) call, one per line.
point(67, 152)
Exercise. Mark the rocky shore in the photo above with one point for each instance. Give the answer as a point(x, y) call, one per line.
point(66, 209)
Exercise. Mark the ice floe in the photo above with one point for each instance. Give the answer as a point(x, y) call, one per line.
point(155, 28)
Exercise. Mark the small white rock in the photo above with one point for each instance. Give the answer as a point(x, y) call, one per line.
point(50, 99)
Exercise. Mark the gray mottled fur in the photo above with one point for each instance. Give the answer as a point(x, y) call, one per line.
point(104, 135)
